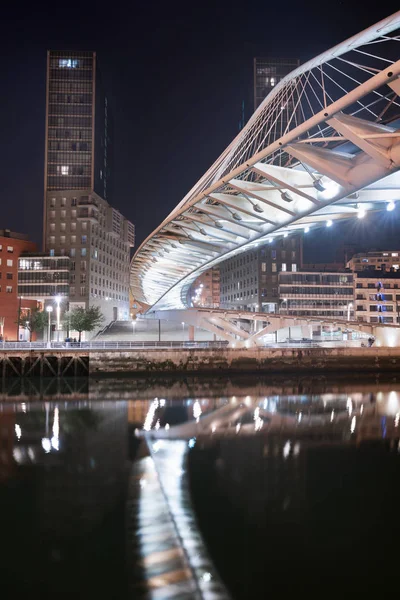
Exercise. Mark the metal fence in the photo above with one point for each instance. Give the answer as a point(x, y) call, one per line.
point(103, 345)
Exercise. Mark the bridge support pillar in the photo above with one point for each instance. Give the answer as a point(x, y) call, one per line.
point(191, 333)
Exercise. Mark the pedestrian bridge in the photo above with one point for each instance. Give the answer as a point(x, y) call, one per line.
point(323, 146)
point(242, 328)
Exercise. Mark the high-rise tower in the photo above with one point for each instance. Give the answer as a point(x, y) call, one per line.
point(78, 219)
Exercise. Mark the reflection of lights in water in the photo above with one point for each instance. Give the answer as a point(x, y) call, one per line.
point(353, 425)
point(296, 449)
point(258, 424)
point(23, 407)
point(46, 445)
point(286, 449)
point(300, 417)
point(213, 429)
point(396, 420)
point(167, 426)
point(362, 409)
point(55, 441)
point(393, 403)
point(162, 402)
point(192, 442)
point(17, 454)
point(197, 410)
point(206, 577)
point(247, 401)
point(150, 415)
point(18, 431)
point(157, 425)
point(332, 415)
point(233, 400)
point(31, 453)
point(349, 405)
point(256, 413)
point(238, 427)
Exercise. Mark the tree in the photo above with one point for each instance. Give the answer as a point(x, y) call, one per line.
point(84, 319)
point(34, 320)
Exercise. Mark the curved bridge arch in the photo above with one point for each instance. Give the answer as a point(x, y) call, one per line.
point(322, 146)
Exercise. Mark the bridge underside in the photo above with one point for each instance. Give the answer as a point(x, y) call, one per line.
point(247, 329)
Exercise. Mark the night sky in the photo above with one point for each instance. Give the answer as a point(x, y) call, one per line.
point(176, 79)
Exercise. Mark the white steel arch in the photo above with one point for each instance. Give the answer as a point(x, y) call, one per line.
point(324, 145)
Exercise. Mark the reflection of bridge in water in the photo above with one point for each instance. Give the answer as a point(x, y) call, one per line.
point(336, 157)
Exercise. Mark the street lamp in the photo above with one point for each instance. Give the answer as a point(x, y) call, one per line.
point(349, 307)
point(49, 311)
point(58, 302)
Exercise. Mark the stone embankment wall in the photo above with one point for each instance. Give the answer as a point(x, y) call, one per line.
point(271, 360)
point(44, 363)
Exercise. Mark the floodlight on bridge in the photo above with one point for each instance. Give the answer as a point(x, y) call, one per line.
point(361, 212)
point(390, 206)
point(287, 197)
point(329, 223)
point(317, 183)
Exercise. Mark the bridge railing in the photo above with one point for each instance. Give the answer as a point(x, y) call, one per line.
point(107, 345)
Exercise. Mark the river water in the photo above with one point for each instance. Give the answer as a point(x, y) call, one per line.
point(295, 482)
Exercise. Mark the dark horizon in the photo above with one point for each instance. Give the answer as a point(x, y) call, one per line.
point(176, 82)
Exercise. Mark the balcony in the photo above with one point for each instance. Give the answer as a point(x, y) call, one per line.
point(88, 213)
point(86, 201)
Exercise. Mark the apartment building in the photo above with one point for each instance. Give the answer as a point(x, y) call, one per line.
point(311, 294)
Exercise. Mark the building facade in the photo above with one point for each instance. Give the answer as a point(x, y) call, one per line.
point(311, 294)
point(205, 291)
point(384, 260)
point(267, 74)
point(249, 281)
point(12, 245)
point(79, 221)
point(377, 297)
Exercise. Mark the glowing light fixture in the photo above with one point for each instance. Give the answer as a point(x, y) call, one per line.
point(329, 223)
point(390, 206)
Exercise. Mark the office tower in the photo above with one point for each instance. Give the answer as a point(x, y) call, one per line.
point(79, 220)
point(267, 74)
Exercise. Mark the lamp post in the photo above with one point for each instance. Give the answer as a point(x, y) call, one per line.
point(49, 311)
point(58, 302)
point(349, 307)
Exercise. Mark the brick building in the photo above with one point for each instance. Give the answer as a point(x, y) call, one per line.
point(12, 245)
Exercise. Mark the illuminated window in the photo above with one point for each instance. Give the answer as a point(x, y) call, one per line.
point(294, 268)
point(283, 266)
point(274, 267)
point(10, 248)
point(63, 169)
point(68, 63)
point(9, 262)
point(9, 289)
